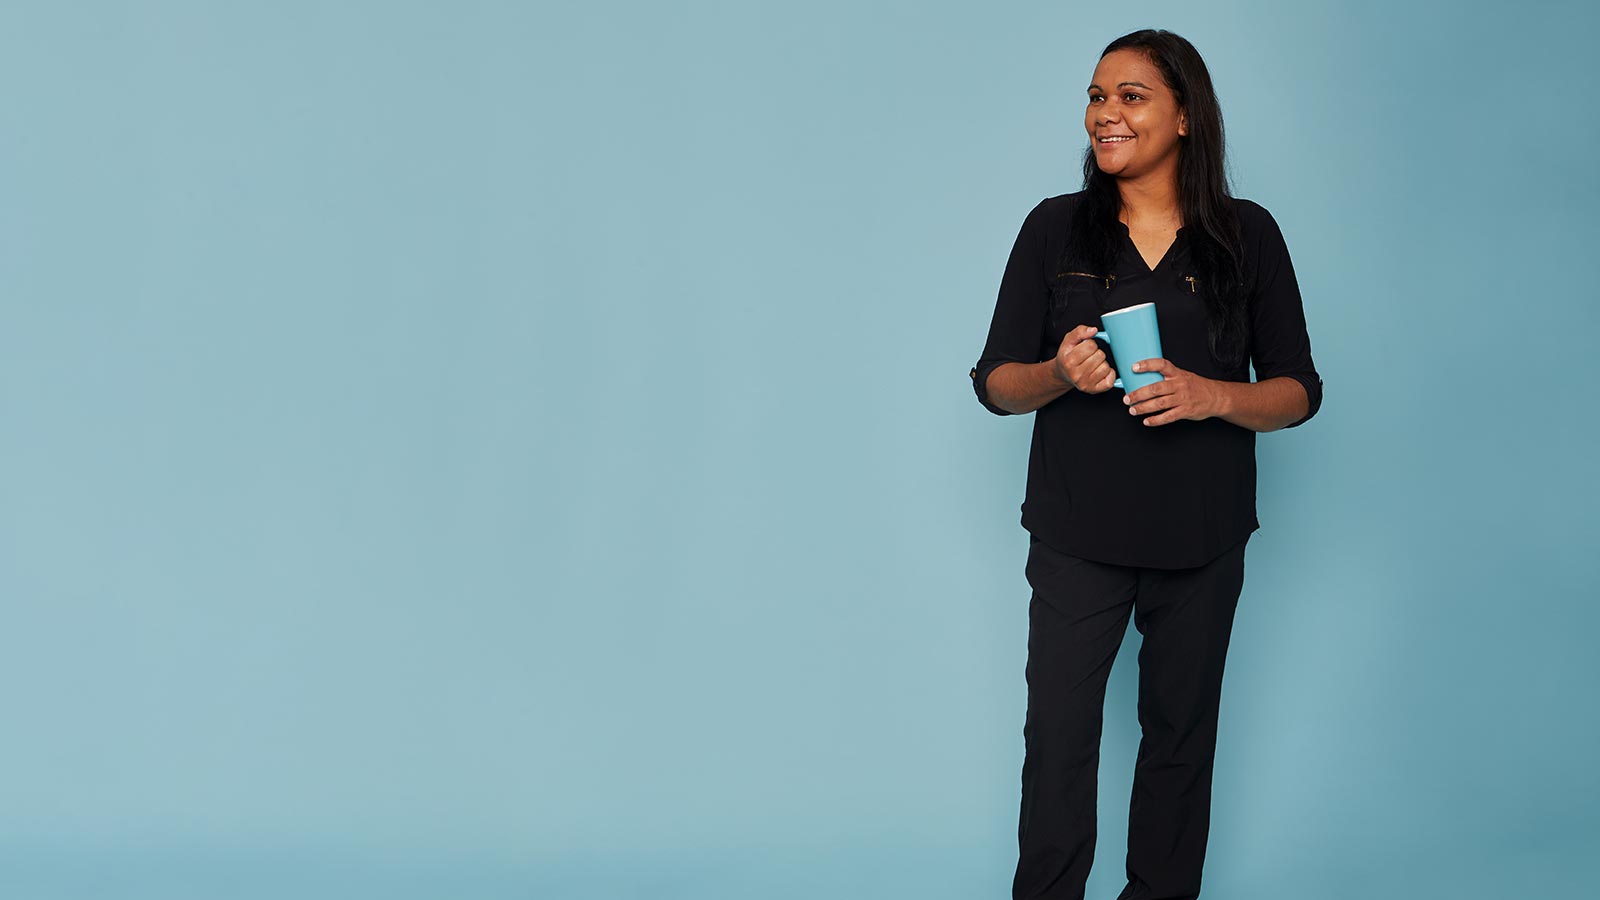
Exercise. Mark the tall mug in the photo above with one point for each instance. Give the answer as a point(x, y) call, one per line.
point(1133, 335)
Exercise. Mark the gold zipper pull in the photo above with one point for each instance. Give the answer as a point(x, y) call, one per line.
point(1190, 279)
point(1109, 279)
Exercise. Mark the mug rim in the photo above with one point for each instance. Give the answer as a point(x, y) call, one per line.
point(1117, 312)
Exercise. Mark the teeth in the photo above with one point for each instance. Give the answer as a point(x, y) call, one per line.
point(1114, 140)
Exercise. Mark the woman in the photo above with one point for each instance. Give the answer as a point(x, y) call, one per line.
point(1141, 503)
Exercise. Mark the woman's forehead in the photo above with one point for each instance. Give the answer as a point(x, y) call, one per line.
point(1127, 66)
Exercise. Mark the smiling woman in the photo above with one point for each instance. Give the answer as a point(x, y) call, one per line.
point(1140, 504)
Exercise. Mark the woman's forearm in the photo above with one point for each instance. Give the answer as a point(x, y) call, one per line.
point(1021, 388)
point(1263, 405)
point(1267, 405)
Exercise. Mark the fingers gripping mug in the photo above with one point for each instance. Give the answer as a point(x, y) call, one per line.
point(1133, 335)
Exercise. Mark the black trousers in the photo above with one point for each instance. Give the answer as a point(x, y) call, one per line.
point(1076, 621)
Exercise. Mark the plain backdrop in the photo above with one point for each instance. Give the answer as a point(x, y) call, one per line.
point(525, 450)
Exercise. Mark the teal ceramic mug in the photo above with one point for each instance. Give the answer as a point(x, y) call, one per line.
point(1133, 336)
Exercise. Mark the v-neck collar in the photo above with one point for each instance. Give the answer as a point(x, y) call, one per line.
point(1149, 269)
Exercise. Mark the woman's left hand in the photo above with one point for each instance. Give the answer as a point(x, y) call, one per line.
point(1180, 394)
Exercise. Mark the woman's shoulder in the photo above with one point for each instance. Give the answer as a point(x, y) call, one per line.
point(1259, 233)
point(1062, 204)
point(1255, 221)
point(1052, 215)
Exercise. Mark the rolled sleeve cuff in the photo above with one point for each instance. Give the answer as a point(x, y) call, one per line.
point(1313, 387)
point(980, 383)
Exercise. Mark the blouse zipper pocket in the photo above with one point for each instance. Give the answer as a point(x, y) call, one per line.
point(1108, 279)
point(1190, 279)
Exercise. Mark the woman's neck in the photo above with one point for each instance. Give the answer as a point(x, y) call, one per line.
point(1150, 201)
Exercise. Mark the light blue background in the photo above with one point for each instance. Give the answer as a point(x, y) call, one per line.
point(526, 450)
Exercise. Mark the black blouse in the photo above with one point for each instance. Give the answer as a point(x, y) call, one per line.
point(1101, 484)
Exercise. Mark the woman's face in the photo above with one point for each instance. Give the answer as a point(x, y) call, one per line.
point(1133, 119)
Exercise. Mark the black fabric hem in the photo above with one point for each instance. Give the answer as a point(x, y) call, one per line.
point(1132, 556)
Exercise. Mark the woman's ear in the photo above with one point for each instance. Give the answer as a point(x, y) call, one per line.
point(1183, 124)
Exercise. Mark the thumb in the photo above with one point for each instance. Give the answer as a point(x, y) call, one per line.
point(1082, 333)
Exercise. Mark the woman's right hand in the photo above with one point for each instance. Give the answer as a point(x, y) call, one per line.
point(1081, 363)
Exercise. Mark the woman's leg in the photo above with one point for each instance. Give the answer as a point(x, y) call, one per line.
point(1186, 617)
point(1076, 620)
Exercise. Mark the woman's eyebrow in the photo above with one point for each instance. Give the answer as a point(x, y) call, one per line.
point(1096, 87)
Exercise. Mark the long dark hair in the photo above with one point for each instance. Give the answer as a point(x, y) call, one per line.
point(1210, 223)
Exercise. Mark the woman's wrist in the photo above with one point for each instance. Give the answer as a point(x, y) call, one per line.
point(1225, 399)
point(1261, 405)
point(1060, 374)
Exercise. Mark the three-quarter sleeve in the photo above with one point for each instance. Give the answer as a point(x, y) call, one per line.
point(1279, 344)
point(1019, 311)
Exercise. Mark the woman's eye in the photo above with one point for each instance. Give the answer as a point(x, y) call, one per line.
point(1131, 97)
